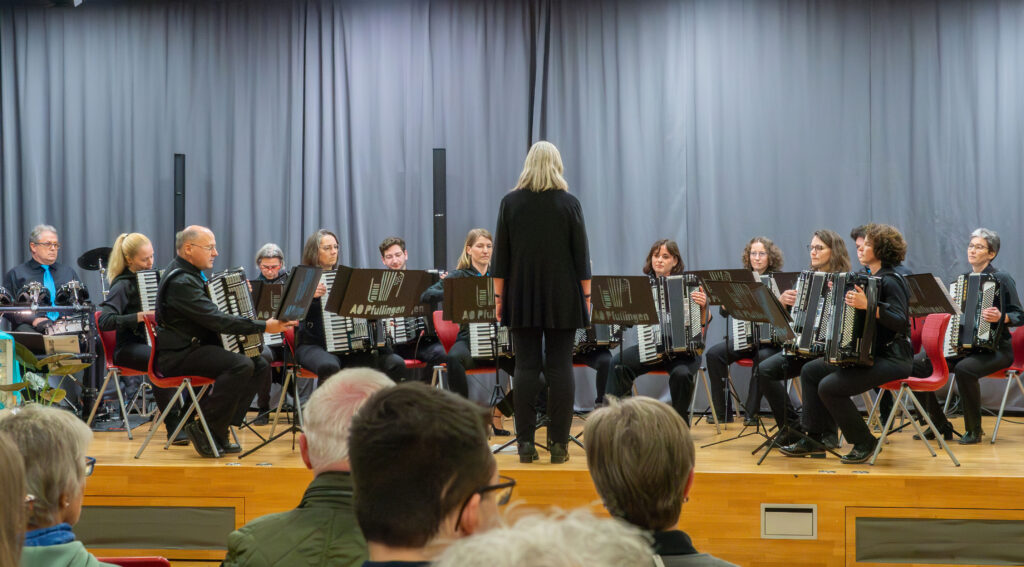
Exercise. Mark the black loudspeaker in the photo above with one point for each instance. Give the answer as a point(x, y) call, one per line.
point(440, 211)
point(179, 194)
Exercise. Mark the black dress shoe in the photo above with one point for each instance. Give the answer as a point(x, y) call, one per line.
point(200, 443)
point(501, 432)
point(946, 429)
point(803, 448)
point(972, 437)
point(830, 440)
point(860, 454)
point(225, 444)
point(527, 452)
point(559, 453)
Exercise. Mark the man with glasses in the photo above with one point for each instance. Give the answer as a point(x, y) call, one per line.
point(423, 471)
point(43, 267)
point(189, 326)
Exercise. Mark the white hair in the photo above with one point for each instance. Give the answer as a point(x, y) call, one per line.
point(329, 413)
point(989, 236)
point(270, 250)
point(38, 231)
point(558, 539)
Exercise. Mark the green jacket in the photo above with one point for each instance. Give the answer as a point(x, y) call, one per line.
point(321, 531)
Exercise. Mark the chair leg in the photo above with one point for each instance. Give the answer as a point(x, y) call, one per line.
point(913, 422)
point(120, 403)
point(949, 394)
point(160, 421)
point(288, 377)
point(868, 403)
point(202, 418)
point(888, 423)
point(707, 391)
point(934, 430)
point(99, 397)
point(437, 380)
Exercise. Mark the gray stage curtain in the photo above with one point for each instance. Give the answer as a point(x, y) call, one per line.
point(707, 122)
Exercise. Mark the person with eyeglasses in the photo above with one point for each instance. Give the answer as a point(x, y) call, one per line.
point(969, 368)
point(270, 263)
point(42, 267)
point(188, 341)
point(828, 254)
point(52, 443)
point(762, 256)
point(424, 473)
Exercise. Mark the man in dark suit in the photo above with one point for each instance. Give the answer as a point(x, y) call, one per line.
point(43, 267)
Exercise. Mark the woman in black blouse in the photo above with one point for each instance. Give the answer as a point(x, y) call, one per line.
point(1005, 312)
point(827, 389)
point(122, 311)
point(542, 288)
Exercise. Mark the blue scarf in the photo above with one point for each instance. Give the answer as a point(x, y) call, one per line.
point(53, 535)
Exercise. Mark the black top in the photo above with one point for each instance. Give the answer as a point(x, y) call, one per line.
point(435, 294)
point(898, 268)
point(1007, 297)
point(32, 271)
point(186, 315)
point(310, 331)
point(281, 278)
point(893, 314)
point(541, 251)
point(119, 311)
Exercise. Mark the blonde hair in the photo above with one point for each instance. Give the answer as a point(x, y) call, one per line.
point(465, 261)
point(126, 246)
point(330, 410)
point(542, 169)
point(640, 455)
point(12, 495)
point(52, 443)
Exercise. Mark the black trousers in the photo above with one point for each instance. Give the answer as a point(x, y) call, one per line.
point(459, 360)
point(718, 359)
point(968, 370)
point(682, 372)
point(430, 352)
point(547, 351)
point(315, 359)
point(600, 360)
point(237, 378)
point(771, 372)
point(828, 389)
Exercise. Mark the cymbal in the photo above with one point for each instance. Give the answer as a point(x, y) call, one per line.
point(91, 259)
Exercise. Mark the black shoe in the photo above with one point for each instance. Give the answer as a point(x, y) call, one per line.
point(972, 437)
point(559, 453)
point(225, 444)
point(725, 418)
point(200, 443)
point(750, 421)
point(830, 440)
point(527, 452)
point(263, 418)
point(783, 439)
point(946, 429)
point(803, 448)
point(861, 453)
point(499, 432)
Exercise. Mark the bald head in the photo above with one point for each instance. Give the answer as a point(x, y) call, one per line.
point(196, 245)
point(190, 234)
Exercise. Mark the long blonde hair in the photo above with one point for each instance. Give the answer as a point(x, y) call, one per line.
point(465, 262)
point(126, 246)
point(542, 169)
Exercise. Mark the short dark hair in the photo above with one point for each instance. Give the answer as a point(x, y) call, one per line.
point(888, 244)
point(389, 242)
point(672, 248)
point(417, 453)
point(860, 231)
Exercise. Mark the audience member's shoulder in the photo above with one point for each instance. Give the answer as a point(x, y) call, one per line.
point(695, 560)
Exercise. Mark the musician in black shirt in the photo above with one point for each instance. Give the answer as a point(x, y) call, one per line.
point(761, 255)
point(828, 254)
point(43, 267)
point(270, 261)
point(426, 348)
point(662, 260)
point(827, 389)
point(321, 249)
point(189, 326)
point(1005, 312)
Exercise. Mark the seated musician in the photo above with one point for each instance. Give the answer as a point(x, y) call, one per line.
point(827, 389)
point(761, 255)
point(475, 261)
point(189, 342)
point(828, 254)
point(427, 348)
point(321, 249)
point(662, 260)
point(122, 312)
point(969, 368)
point(270, 261)
point(43, 267)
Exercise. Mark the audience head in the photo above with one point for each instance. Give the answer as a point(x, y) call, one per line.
point(44, 244)
point(574, 539)
point(828, 252)
point(641, 456)
point(664, 257)
point(887, 244)
point(52, 443)
point(321, 250)
point(763, 255)
point(196, 245)
point(393, 253)
point(542, 169)
point(12, 501)
point(420, 461)
point(328, 416)
point(131, 251)
point(270, 260)
point(479, 243)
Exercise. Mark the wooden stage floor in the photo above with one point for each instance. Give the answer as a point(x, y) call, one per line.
point(723, 515)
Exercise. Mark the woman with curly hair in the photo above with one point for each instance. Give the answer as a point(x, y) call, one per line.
point(827, 389)
point(761, 255)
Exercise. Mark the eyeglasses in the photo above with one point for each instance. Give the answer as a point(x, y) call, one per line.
point(816, 247)
point(978, 247)
point(270, 266)
point(90, 463)
point(329, 247)
point(758, 254)
point(208, 248)
point(503, 488)
point(50, 245)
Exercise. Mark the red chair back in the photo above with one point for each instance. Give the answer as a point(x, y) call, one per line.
point(1018, 349)
point(107, 338)
point(136, 561)
point(933, 335)
point(289, 339)
point(916, 330)
point(446, 330)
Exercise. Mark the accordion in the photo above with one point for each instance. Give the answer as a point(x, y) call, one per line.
point(597, 336)
point(810, 315)
point(149, 283)
point(229, 290)
point(969, 331)
point(402, 330)
point(342, 335)
point(490, 341)
point(741, 334)
point(679, 330)
point(851, 332)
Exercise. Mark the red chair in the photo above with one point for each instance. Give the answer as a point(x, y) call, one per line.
point(1011, 374)
point(448, 333)
point(916, 329)
point(932, 337)
point(292, 372)
point(136, 561)
point(109, 341)
point(180, 384)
